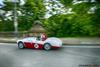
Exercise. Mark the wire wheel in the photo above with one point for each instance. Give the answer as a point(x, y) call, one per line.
point(20, 45)
point(47, 46)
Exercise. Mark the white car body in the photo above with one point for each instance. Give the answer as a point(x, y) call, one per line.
point(33, 42)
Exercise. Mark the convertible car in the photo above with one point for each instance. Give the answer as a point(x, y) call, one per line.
point(38, 43)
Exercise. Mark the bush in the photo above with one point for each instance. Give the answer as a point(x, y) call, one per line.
point(69, 25)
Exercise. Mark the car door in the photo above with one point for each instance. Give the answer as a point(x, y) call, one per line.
point(38, 44)
point(29, 42)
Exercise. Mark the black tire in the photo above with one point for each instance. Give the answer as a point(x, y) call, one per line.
point(20, 45)
point(47, 46)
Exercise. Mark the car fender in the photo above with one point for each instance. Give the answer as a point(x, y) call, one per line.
point(54, 41)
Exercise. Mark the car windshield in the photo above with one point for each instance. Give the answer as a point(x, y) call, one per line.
point(38, 38)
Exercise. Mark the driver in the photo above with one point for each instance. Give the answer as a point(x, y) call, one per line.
point(43, 37)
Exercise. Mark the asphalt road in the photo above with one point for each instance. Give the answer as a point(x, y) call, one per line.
point(67, 56)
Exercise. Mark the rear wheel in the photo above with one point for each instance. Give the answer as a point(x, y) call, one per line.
point(47, 46)
point(20, 45)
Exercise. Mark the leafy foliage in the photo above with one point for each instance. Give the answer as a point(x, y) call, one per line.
point(66, 2)
point(80, 23)
point(31, 11)
point(96, 22)
point(6, 26)
point(69, 25)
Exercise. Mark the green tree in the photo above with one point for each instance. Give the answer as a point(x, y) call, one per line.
point(95, 19)
point(69, 25)
point(81, 23)
point(56, 25)
point(31, 11)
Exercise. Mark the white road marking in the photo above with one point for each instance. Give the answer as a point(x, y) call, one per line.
point(81, 46)
point(7, 43)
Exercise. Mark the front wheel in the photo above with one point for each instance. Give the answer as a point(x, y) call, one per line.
point(47, 46)
point(20, 45)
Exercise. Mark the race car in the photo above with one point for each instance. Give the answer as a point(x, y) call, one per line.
point(38, 43)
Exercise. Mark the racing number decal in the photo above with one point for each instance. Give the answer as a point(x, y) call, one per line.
point(36, 45)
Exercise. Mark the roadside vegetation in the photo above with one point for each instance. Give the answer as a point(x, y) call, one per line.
point(82, 20)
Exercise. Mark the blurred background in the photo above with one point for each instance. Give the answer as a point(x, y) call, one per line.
point(60, 18)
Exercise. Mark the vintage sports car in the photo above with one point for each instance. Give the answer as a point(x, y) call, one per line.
point(38, 43)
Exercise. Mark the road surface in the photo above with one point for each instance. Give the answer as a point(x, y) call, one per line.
point(67, 56)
